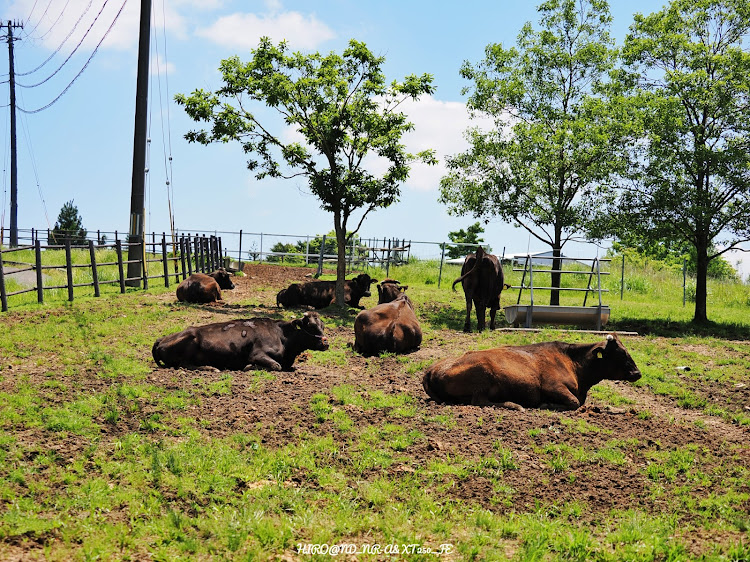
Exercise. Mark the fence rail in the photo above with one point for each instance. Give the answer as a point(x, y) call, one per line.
point(177, 256)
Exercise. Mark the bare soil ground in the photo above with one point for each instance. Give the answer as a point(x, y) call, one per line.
point(279, 410)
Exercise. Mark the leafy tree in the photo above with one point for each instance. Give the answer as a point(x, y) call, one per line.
point(68, 226)
point(468, 236)
point(547, 164)
point(343, 108)
point(691, 173)
point(282, 248)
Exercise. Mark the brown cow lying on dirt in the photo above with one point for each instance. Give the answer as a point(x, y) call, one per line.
point(391, 326)
point(319, 294)
point(245, 344)
point(389, 290)
point(201, 287)
point(555, 374)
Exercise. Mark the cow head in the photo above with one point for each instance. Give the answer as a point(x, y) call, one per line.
point(614, 361)
point(389, 290)
point(223, 278)
point(310, 327)
point(363, 282)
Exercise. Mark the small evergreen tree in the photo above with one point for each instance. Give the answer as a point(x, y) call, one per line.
point(68, 226)
point(468, 236)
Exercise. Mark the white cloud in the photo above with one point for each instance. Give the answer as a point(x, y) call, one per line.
point(440, 126)
point(244, 30)
point(160, 67)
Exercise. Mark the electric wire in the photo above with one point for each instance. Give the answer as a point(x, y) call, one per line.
point(28, 33)
point(54, 23)
point(28, 18)
point(73, 52)
point(170, 188)
point(82, 69)
point(32, 159)
point(6, 157)
point(61, 44)
point(166, 142)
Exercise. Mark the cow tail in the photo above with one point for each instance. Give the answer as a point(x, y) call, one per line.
point(465, 275)
point(157, 355)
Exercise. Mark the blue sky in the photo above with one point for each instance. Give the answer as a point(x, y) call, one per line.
point(81, 147)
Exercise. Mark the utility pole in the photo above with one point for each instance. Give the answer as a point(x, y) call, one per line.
point(13, 148)
point(136, 236)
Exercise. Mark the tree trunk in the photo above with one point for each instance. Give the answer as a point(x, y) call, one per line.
point(701, 284)
point(339, 298)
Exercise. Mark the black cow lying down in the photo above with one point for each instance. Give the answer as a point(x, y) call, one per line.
point(244, 344)
point(320, 294)
point(202, 287)
point(554, 373)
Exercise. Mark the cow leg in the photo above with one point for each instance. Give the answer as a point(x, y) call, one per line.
point(467, 323)
point(263, 361)
point(494, 306)
point(511, 406)
point(481, 312)
point(561, 398)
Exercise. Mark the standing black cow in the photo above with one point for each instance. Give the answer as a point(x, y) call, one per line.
point(482, 280)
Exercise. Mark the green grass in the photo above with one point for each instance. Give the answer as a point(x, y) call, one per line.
point(103, 457)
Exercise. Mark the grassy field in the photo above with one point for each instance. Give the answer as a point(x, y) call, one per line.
point(105, 456)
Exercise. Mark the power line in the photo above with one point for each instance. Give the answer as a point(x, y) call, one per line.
point(28, 33)
point(60, 45)
point(82, 69)
point(73, 52)
point(54, 23)
point(27, 135)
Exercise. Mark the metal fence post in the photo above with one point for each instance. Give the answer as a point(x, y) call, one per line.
point(320, 257)
point(442, 260)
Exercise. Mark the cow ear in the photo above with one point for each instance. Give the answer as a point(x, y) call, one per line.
point(297, 322)
point(403, 289)
point(373, 281)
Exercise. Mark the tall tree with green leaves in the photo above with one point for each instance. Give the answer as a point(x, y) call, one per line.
point(69, 226)
point(342, 107)
point(547, 164)
point(691, 173)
